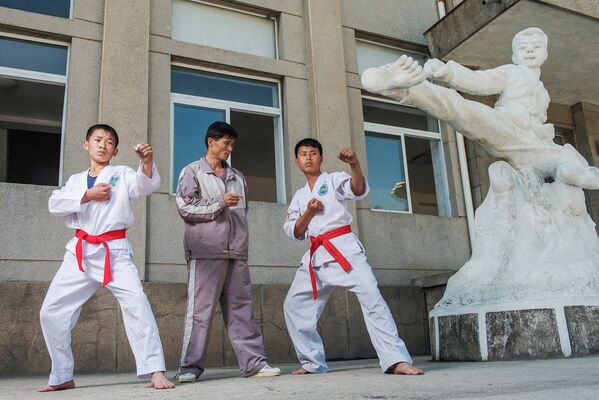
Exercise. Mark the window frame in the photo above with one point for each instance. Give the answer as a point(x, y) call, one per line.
point(228, 106)
point(239, 10)
point(48, 78)
point(443, 204)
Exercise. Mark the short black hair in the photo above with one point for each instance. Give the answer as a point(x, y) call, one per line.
point(218, 130)
point(308, 142)
point(106, 128)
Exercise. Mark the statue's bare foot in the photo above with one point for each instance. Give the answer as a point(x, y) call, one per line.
point(401, 74)
point(589, 179)
point(159, 381)
point(53, 388)
point(301, 371)
point(586, 177)
point(403, 368)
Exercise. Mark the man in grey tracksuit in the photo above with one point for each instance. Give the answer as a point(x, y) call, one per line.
point(212, 200)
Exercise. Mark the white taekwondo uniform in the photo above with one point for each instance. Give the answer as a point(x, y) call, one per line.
point(71, 287)
point(305, 301)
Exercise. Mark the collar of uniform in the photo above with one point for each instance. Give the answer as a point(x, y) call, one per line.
point(207, 168)
point(316, 187)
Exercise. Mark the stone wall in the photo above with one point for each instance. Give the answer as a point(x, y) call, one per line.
point(100, 344)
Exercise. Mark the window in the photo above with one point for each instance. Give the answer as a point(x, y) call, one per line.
point(32, 96)
point(374, 55)
point(224, 28)
point(251, 106)
point(57, 8)
point(405, 159)
point(564, 136)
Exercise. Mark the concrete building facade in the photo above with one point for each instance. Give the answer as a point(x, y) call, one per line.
point(279, 71)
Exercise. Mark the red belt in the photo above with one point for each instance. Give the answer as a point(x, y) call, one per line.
point(100, 239)
point(325, 241)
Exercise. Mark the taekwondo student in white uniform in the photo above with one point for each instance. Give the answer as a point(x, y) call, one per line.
point(96, 204)
point(336, 259)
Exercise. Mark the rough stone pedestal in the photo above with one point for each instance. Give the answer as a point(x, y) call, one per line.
point(531, 288)
point(501, 333)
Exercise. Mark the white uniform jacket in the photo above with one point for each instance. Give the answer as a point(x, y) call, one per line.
point(98, 217)
point(334, 191)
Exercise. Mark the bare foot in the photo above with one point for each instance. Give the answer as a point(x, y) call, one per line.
point(301, 371)
point(403, 368)
point(401, 74)
point(159, 381)
point(63, 386)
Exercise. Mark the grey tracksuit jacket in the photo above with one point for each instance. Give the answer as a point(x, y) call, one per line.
point(212, 230)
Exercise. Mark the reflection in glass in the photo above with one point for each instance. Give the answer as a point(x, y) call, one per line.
point(254, 154)
point(419, 155)
point(33, 56)
point(396, 115)
point(30, 112)
point(203, 24)
point(190, 128)
point(216, 86)
point(56, 8)
point(386, 175)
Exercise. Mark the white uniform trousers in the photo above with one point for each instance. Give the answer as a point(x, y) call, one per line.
point(71, 288)
point(302, 313)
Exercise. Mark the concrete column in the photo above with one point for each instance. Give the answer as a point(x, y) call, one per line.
point(327, 78)
point(83, 92)
point(124, 93)
point(586, 132)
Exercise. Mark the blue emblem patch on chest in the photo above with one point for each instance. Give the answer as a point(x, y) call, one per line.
point(113, 181)
point(323, 189)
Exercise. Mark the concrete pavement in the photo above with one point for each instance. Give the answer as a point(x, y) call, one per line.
point(572, 379)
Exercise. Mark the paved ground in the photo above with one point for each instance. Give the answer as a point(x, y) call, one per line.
point(570, 379)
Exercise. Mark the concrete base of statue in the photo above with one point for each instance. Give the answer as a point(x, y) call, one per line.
point(531, 288)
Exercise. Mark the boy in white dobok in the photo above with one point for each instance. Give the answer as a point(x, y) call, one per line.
point(336, 259)
point(96, 205)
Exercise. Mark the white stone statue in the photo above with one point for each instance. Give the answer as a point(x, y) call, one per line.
point(533, 237)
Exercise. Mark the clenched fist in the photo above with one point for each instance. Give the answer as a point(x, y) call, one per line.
point(100, 192)
point(144, 152)
point(315, 206)
point(347, 155)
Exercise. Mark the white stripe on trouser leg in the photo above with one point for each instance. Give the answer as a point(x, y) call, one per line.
point(187, 327)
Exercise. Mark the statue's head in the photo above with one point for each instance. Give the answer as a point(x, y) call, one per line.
point(529, 48)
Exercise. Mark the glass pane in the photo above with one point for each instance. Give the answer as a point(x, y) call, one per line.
point(386, 175)
point(396, 115)
point(375, 55)
point(216, 86)
point(19, 165)
point(33, 56)
point(31, 102)
point(254, 154)
point(190, 127)
point(30, 129)
point(57, 8)
point(419, 155)
point(223, 28)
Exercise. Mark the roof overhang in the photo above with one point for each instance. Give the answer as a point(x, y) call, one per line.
point(479, 34)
